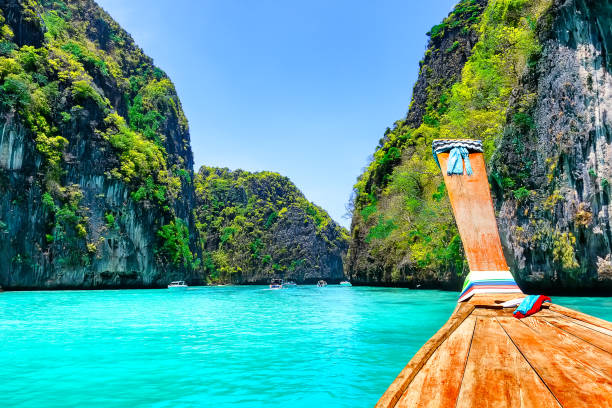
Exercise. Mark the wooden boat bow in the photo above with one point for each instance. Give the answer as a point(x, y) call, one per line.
point(485, 357)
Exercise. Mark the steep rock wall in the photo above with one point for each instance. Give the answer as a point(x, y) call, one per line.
point(535, 87)
point(258, 226)
point(557, 231)
point(386, 228)
point(88, 180)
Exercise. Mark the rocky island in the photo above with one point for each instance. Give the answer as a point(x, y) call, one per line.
point(254, 226)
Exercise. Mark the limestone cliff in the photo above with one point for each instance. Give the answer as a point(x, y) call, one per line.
point(532, 81)
point(95, 162)
point(557, 151)
point(258, 226)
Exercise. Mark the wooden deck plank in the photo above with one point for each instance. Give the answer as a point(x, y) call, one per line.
point(438, 383)
point(558, 357)
point(581, 316)
point(589, 355)
point(594, 337)
point(585, 324)
point(572, 383)
point(497, 375)
point(399, 385)
point(493, 300)
point(593, 327)
point(508, 312)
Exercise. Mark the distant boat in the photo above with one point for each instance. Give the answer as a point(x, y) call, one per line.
point(177, 285)
point(321, 283)
point(290, 285)
point(345, 283)
point(276, 284)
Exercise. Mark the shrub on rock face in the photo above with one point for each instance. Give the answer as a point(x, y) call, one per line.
point(174, 245)
point(140, 158)
point(82, 91)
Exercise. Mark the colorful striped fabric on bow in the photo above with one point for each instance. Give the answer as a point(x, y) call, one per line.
point(488, 282)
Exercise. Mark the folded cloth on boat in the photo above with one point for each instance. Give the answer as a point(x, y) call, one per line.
point(512, 303)
point(459, 155)
point(530, 305)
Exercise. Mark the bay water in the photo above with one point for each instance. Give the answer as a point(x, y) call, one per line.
point(235, 346)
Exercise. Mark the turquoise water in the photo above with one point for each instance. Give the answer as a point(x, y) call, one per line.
point(217, 346)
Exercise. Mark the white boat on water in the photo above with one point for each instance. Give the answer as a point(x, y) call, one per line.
point(345, 283)
point(289, 285)
point(276, 284)
point(321, 284)
point(177, 285)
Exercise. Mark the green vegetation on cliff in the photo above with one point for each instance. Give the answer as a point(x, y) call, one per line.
point(96, 171)
point(254, 226)
point(402, 220)
point(549, 172)
point(51, 85)
point(90, 104)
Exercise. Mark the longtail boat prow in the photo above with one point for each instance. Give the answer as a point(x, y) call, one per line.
point(485, 356)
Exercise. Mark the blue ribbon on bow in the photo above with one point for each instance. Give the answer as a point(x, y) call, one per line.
point(456, 158)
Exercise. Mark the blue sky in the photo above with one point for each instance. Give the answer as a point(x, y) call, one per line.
point(305, 88)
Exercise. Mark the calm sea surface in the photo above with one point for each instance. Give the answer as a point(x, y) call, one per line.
point(217, 346)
